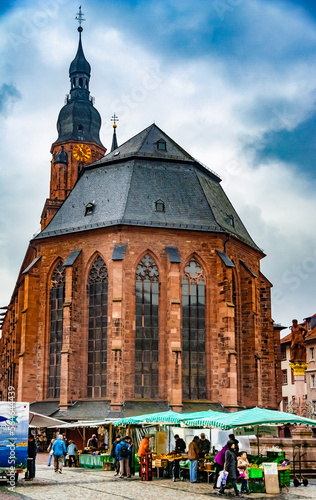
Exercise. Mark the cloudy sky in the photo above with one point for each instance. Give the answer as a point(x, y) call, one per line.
point(232, 81)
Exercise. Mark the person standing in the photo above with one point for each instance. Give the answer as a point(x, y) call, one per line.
point(59, 449)
point(193, 456)
point(243, 464)
point(144, 446)
point(50, 451)
point(219, 461)
point(113, 454)
point(132, 456)
point(230, 466)
point(93, 442)
point(204, 445)
point(31, 457)
point(71, 450)
point(175, 465)
point(123, 455)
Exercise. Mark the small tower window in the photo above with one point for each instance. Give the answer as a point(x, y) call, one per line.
point(80, 83)
point(160, 206)
point(80, 128)
point(90, 209)
point(161, 145)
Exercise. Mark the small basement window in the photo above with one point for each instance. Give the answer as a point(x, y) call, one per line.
point(89, 209)
point(161, 145)
point(160, 206)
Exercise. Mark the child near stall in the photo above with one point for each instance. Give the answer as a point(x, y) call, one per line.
point(242, 465)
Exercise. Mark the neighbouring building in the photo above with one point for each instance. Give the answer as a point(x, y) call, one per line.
point(287, 378)
point(143, 289)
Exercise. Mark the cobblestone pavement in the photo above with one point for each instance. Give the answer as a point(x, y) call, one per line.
point(89, 484)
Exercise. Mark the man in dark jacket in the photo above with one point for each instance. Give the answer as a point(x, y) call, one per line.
point(175, 465)
point(204, 445)
point(230, 466)
point(31, 457)
point(113, 454)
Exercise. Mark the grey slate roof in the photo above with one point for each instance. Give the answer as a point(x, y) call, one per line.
point(97, 410)
point(126, 183)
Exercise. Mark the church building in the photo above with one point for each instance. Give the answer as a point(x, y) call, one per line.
point(143, 290)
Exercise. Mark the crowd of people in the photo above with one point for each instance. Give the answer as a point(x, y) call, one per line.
point(228, 460)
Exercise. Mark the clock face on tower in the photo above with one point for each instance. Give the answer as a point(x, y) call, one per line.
point(81, 152)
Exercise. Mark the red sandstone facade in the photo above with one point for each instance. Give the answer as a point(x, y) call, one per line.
point(244, 377)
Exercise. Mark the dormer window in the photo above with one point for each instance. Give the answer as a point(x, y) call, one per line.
point(90, 209)
point(230, 220)
point(161, 145)
point(160, 206)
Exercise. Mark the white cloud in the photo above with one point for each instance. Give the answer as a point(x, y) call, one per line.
point(209, 104)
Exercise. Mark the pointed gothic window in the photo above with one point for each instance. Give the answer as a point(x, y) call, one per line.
point(193, 332)
point(57, 294)
point(98, 321)
point(146, 338)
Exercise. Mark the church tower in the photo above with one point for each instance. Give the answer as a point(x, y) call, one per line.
point(78, 142)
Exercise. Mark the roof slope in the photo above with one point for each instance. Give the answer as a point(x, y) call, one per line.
point(125, 185)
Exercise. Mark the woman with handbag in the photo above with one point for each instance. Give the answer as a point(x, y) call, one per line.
point(230, 466)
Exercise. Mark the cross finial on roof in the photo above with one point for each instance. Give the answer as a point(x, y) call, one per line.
point(114, 119)
point(80, 18)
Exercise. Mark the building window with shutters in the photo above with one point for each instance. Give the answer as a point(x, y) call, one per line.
point(193, 332)
point(147, 329)
point(98, 324)
point(57, 295)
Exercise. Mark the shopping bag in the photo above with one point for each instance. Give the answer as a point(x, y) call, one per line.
point(222, 478)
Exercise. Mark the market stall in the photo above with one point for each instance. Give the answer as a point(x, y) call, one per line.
point(261, 467)
point(88, 457)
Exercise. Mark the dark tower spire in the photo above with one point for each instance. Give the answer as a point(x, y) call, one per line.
point(114, 141)
point(79, 120)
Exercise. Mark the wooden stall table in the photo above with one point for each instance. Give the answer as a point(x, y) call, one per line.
point(90, 461)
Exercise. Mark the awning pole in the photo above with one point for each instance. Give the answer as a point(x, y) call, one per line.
point(258, 438)
point(110, 437)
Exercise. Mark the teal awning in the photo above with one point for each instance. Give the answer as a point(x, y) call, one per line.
point(167, 417)
point(254, 416)
point(164, 417)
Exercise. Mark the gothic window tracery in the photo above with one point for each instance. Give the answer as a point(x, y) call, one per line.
point(147, 328)
point(193, 332)
point(57, 294)
point(97, 336)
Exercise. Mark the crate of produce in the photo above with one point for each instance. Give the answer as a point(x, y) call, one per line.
point(161, 462)
point(256, 486)
point(255, 473)
point(107, 466)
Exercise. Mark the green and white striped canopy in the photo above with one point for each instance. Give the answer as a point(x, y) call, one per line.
point(254, 416)
point(167, 417)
